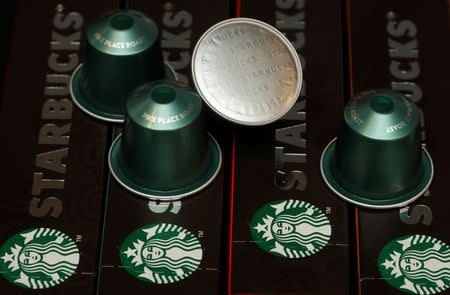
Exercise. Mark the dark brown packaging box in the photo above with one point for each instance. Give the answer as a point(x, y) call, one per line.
point(281, 161)
point(181, 24)
point(404, 45)
point(52, 155)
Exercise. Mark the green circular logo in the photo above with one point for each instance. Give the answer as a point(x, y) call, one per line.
point(290, 228)
point(161, 253)
point(38, 258)
point(416, 264)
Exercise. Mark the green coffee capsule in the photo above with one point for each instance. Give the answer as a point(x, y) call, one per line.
point(122, 51)
point(164, 152)
point(377, 159)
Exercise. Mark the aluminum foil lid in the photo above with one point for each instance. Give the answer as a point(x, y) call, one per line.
point(246, 71)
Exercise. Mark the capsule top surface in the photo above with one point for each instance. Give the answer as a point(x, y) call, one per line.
point(382, 114)
point(164, 105)
point(122, 32)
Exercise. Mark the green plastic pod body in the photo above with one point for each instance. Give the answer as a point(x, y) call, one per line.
point(378, 153)
point(165, 144)
point(122, 51)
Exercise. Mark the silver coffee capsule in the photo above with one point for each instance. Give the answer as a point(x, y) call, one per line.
point(246, 71)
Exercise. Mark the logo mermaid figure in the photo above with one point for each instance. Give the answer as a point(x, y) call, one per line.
point(161, 253)
point(416, 264)
point(40, 258)
point(178, 254)
point(290, 228)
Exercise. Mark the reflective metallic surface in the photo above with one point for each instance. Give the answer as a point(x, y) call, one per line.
point(92, 109)
point(164, 152)
point(164, 139)
point(122, 51)
point(377, 160)
point(246, 71)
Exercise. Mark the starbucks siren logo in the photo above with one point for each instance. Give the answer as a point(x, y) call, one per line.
point(416, 264)
point(161, 253)
point(290, 228)
point(38, 258)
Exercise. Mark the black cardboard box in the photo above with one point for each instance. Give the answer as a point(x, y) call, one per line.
point(51, 177)
point(280, 161)
point(181, 25)
point(404, 46)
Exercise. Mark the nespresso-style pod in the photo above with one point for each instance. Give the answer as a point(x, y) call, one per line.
point(164, 152)
point(122, 51)
point(377, 160)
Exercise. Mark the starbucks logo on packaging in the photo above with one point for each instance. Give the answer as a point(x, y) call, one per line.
point(38, 258)
point(416, 264)
point(161, 253)
point(290, 228)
